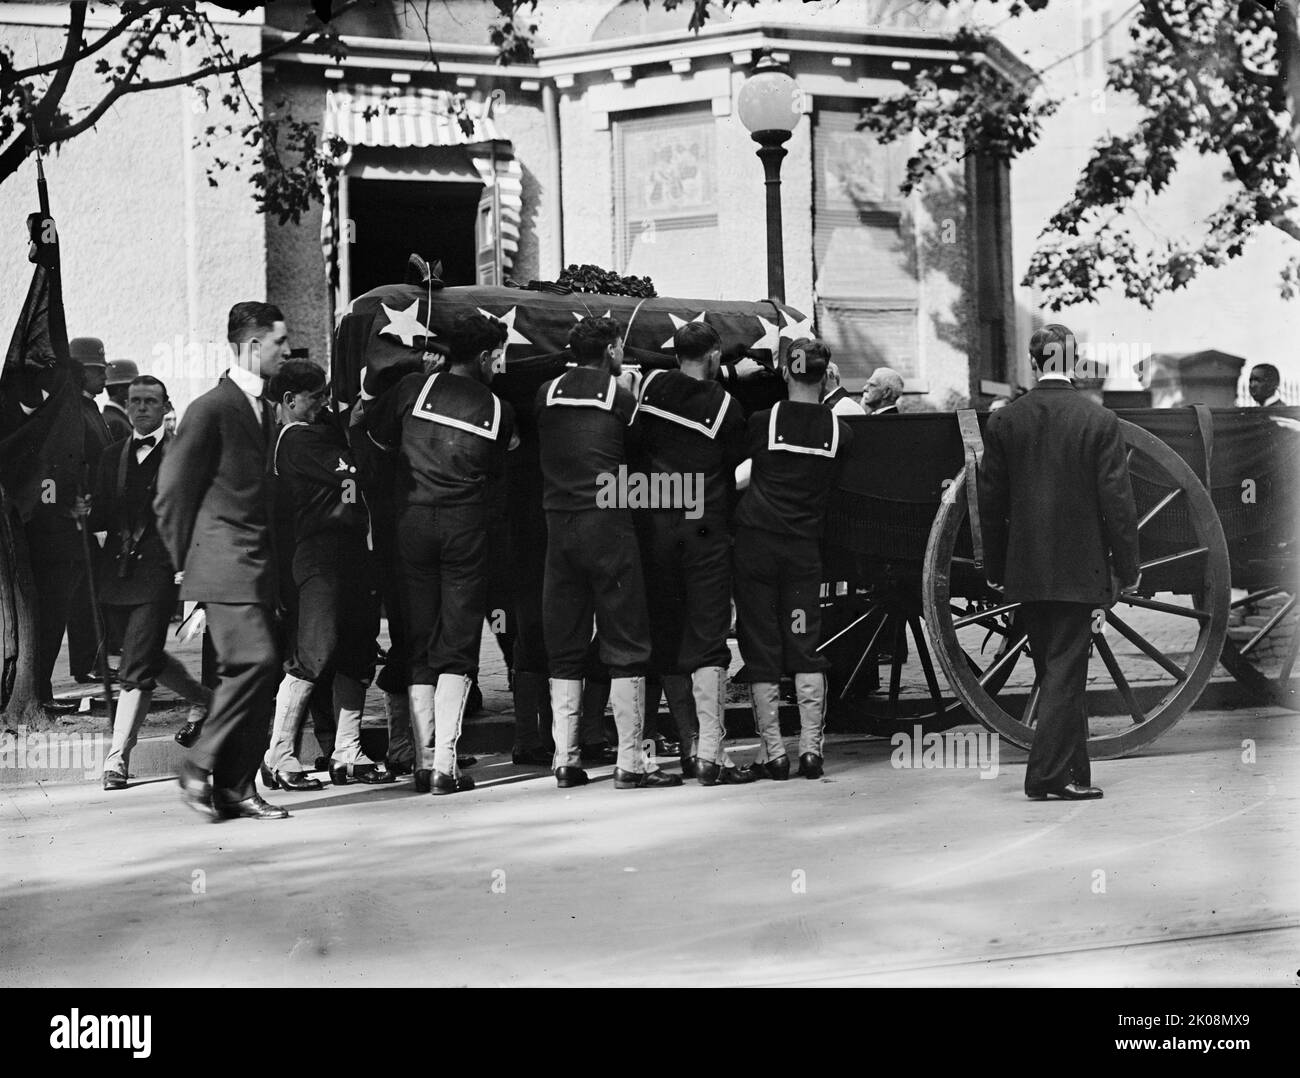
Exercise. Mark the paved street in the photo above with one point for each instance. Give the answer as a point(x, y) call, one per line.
point(1185, 874)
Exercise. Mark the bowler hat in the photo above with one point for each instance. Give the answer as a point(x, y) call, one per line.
point(121, 372)
point(88, 351)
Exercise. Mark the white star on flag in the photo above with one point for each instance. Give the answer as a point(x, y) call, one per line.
point(792, 330)
point(405, 325)
point(513, 336)
point(677, 324)
point(771, 338)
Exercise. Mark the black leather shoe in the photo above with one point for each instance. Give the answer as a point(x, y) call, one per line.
point(399, 767)
point(422, 781)
point(643, 780)
point(599, 754)
point(114, 780)
point(188, 734)
point(711, 774)
point(60, 705)
point(196, 790)
point(667, 747)
point(570, 776)
point(810, 766)
point(530, 757)
point(1071, 791)
point(253, 808)
point(288, 780)
point(368, 774)
point(322, 764)
point(777, 770)
point(450, 784)
point(463, 762)
point(688, 766)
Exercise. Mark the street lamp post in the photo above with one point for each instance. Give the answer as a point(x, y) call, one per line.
point(770, 104)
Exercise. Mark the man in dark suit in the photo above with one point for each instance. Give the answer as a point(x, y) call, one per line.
point(1265, 380)
point(136, 585)
point(1061, 536)
point(85, 660)
point(214, 515)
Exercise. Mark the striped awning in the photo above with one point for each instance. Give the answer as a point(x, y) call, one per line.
point(404, 116)
point(401, 117)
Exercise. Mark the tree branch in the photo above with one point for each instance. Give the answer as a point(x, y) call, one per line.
point(59, 84)
point(125, 87)
point(94, 47)
point(117, 91)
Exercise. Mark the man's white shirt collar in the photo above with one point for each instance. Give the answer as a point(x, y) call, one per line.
point(251, 385)
point(1055, 378)
point(1276, 398)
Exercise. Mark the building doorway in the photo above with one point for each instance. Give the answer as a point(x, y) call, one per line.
point(391, 218)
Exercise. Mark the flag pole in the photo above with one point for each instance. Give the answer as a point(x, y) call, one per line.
point(101, 641)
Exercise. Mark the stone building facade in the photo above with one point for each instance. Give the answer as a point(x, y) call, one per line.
point(620, 146)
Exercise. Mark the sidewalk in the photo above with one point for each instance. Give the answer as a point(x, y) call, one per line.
point(491, 730)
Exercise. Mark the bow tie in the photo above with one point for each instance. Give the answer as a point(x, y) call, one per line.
point(147, 442)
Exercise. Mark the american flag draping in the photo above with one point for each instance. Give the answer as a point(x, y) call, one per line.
point(402, 322)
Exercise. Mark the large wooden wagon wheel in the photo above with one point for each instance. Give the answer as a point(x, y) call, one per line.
point(1263, 639)
point(1168, 637)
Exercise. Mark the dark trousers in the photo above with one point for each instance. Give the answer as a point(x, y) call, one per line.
point(334, 614)
point(528, 563)
point(1060, 635)
point(688, 566)
point(393, 677)
point(143, 631)
point(56, 582)
point(444, 588)
point(778, 613)
point(83, 646)
point(238, 726)
point(593, 566)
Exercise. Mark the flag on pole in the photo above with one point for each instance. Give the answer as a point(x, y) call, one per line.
point(42, 450)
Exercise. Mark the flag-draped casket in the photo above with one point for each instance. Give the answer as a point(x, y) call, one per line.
point(399, 322)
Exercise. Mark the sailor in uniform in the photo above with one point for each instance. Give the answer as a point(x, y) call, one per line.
point(593, 564)
point(451, 435)
point(333, 606)
point(794, 449)
point(691, 438)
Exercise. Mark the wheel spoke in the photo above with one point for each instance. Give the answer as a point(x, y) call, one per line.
point(963, 561)
point(1167, 608)
point(1168, 558)
point(868, 652)
point(1117, 676)
point(1007, 658)
point(1031, 709)
point(895, 665)
point(1267, 627)
point(855, 623)
point(971, 619)
point(1149, 515)
point(923, 653)
point(1254, 597)
point(1288, 664)
point(1144, 645)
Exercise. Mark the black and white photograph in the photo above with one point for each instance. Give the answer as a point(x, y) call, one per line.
point(651, 494)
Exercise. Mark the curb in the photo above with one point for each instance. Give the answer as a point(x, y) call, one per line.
point(82, 754)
